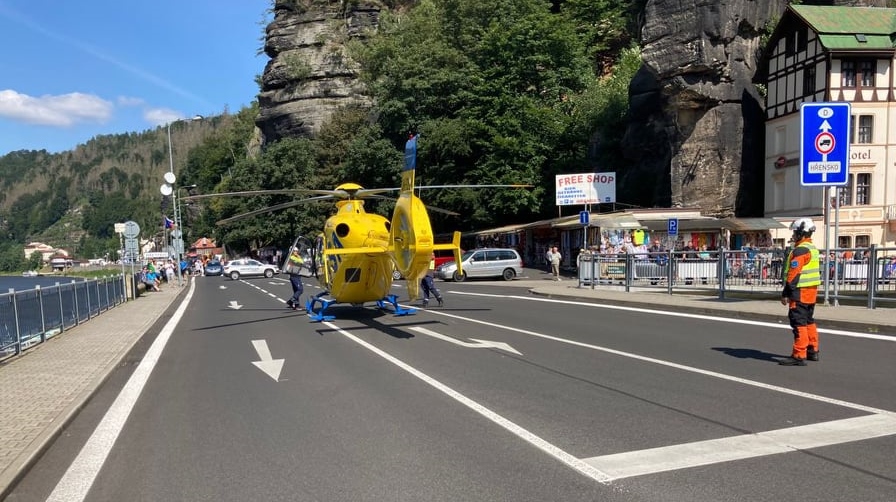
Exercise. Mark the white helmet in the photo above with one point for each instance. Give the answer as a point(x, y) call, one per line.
point(803, 226)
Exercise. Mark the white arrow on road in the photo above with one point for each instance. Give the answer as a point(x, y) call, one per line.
point(480, 344)
point(235, 305)
point(270, 366)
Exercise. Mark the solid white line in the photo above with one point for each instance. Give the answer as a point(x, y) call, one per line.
point(722, 376)
point(79, 477)
point(683, 456)
point(552, 450)
point(854, 334)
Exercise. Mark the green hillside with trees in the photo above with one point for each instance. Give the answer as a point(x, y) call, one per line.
point(509, 91)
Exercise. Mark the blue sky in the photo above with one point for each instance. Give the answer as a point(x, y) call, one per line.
point(72, 70)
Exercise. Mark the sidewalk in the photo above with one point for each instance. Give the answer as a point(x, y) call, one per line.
point(45, 387)
point(37, 399)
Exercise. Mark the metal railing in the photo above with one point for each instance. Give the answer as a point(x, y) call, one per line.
point(859, 275)
point(33, 316)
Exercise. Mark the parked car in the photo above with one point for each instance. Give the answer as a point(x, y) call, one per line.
point(442, 257)
point(214, 267)
point(490, 262)
point(248, 267)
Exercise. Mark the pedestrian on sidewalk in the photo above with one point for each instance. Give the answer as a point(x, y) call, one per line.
point(802, 276)
point(555, 263)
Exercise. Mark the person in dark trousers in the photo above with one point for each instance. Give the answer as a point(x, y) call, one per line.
point(428, 285)
point(295, 280)
point(802, 276)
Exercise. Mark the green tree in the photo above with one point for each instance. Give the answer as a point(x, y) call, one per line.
point(11, 257)
point(488, 85)
point(35, 261)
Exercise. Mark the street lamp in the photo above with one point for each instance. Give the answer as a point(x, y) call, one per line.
point(170, 178)
point(178, 218)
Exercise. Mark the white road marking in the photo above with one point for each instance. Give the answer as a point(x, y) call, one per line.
point(854, 334)
point(692, 369)
point(683, 456)
point(554, 451)
point(81, 474)
point(479, 344)
point(272, 367)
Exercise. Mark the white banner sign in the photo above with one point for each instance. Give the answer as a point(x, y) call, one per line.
point(585, 188)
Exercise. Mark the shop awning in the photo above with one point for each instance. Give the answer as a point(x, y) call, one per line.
point(705, 224)
point(623, 221)
point(751, 224)
point(499, 230)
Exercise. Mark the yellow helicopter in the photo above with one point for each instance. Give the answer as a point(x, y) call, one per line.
point(354, 256)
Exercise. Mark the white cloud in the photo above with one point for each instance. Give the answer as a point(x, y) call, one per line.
point(61, 110)
point(130, 101)
point(161, 116)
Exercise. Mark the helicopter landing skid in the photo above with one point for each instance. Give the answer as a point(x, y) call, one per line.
point(398, 310)
point(324, 303)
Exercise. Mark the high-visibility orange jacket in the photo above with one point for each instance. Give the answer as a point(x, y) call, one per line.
point(802, 273)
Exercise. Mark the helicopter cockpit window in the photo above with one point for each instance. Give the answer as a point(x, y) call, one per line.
point(342, 229)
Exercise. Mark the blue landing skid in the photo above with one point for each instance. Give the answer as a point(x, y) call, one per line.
point(324, 303)
point(398, 309)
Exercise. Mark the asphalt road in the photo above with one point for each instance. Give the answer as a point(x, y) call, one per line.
point(497, 396)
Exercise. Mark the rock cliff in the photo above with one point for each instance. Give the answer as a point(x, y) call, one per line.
point(309, 74)
point(696, 130)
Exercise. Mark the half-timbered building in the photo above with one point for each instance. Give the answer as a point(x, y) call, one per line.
point(820, 54)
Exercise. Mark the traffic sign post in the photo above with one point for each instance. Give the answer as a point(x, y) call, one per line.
point(673, 226)
point(584, 220)
point(824, 144)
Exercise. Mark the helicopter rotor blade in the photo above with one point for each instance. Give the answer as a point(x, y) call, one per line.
point(275, 207)
point(428, 207)
point(250, 193)
point(473, 186)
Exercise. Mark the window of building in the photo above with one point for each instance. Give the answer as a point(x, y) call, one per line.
point(802, 40)
point(780, 140)
point(863, 241)
point(866, 128)
point(863, 189)
point(848, 73)
point(844, 241)
point(778, 195)
point(868, 70)
point(790, 44)
point(809, 81)
point(857, 191)
point(845, 193)
point(862, 129)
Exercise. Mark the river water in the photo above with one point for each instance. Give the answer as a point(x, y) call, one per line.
point(19, 283)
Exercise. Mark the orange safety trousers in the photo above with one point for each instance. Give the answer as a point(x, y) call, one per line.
point(805, 332)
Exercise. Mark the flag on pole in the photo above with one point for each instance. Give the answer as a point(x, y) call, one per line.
point(169, 223)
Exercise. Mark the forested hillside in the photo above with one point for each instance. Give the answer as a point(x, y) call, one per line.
point(503, 91)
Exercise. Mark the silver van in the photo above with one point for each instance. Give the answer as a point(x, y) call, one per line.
point(490, 262)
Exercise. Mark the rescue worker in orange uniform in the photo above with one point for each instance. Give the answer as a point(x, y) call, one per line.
point(802, 276)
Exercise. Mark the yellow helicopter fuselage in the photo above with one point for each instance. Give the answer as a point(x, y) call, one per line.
point(356, 263)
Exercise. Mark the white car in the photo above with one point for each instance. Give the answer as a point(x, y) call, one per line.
point(490, 262)
point(249, 268)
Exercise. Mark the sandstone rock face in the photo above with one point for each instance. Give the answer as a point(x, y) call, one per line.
point(697, 131)
point(690, 102)
point(310, 75)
